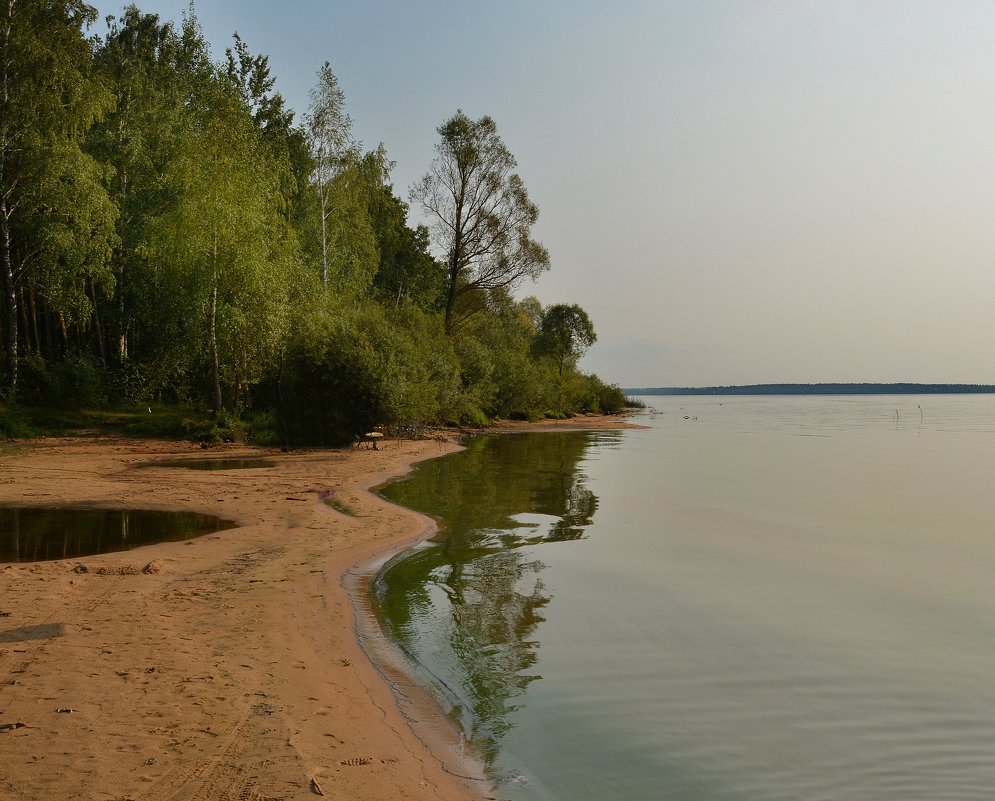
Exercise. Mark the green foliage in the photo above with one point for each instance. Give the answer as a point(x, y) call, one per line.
point(215, 430)
point(73, 383)
point(481, 214)
point(173, 243)
point(407, 271)
point(603, 398)
point(376, 366)
point(13, 425)
point(565, 334)
point(56, 220)
point(77, 383)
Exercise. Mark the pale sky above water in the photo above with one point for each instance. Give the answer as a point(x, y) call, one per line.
point(736, 191)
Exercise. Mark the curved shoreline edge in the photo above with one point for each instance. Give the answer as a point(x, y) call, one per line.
point(233, 670)
point(422, 712)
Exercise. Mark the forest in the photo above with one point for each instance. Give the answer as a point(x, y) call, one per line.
point(173, 235)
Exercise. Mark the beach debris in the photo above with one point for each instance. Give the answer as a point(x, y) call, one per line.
point(315, 787)
point(81, 569)
point(18, 725)
point(356, 761)
point(149, 761)
point(345, 663)
point(66, 710)
point(155, 566)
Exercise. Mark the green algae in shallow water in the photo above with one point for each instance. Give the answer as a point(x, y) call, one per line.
point(30, 534)
point(214, 464)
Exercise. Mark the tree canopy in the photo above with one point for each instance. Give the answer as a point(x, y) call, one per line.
point(481, 213)
point(565, 334)
point(171, 233)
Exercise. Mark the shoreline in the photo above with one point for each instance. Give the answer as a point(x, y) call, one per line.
point(236, 670)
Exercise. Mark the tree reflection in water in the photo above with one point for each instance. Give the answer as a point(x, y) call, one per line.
point(466, 606)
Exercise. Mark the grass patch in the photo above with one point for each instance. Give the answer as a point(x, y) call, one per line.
point(175, 422)
point(340, 506)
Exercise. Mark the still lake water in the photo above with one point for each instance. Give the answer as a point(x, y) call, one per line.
point(760, 599)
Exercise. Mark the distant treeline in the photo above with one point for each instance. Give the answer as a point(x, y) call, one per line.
point(819, 389)
point(171, 232)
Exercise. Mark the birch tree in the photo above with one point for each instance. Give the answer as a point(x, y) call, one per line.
point(332, 145)
point(217, 245)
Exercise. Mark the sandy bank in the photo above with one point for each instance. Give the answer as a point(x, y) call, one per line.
point(234, 672)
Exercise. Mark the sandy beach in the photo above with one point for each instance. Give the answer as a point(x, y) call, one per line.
point(231, 669)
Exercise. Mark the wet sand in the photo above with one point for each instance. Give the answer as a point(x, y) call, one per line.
point(232, 670)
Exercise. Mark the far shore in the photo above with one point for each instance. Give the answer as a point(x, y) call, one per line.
point(231, 669)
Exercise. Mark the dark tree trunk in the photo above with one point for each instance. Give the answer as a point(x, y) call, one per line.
point(65, 334)
point(34, 321)
point(451, 298)
point(25, 325)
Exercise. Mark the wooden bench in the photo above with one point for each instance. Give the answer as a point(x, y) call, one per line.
point(370, 439)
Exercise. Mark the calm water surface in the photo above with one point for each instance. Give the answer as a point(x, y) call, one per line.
point(37, 534)
point(762, 599)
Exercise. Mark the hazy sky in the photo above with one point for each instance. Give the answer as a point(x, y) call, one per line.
point(737, 192)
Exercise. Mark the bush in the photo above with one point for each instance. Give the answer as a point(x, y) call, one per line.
point(590, 394)
point(377, 367)
point(224, 427)
point(13, 426)
point(73, 383)
point(77, 382)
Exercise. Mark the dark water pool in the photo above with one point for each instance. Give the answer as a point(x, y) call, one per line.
point(30, 534)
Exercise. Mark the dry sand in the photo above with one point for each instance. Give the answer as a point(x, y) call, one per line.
point(234, 672)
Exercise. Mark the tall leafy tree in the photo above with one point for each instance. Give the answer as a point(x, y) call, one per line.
point(565, 334)
point(250, 74)
point(138, 59)
point(407, 271)
point(286, 144)
point(333, 148)
point(56, 220)
point(219, 243)
point(481, 213)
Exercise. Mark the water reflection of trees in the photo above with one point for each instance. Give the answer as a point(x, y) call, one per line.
point(29, 534)
point(467, 607)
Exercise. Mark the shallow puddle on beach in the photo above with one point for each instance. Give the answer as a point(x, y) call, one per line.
point(759, 599)
point(233, 463)
point(31, 534)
